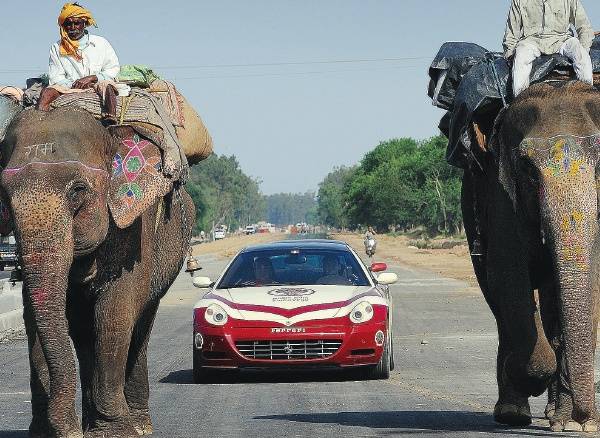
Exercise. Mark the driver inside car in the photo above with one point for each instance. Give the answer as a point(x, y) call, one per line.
point(263, 271)
point(331, 271)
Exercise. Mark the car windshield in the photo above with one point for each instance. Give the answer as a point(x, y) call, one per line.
point(294, 267)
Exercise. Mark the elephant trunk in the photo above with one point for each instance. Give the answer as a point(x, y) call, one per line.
point(46, 249)
point(572, 229)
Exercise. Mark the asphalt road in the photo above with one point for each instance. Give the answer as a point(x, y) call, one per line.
point(443, 385)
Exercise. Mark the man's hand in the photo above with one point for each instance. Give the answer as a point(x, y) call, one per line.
point(86, 82)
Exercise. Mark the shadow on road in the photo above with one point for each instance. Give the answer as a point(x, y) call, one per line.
point(260, 376)
point(14, 434)
point(414, 422)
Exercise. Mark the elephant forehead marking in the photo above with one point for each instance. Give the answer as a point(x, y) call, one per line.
point(562, 155)
point(16, 170)
point(35, 150)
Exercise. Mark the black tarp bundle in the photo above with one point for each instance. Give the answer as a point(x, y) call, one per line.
point(463, 83)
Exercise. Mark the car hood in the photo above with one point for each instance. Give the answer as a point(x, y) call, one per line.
point(291, 304)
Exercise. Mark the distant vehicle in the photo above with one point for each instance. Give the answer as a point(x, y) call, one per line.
point(295, 303)
point(8, 251)
point(250, 229)
point(219, 234)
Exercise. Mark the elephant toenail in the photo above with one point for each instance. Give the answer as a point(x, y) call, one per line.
point(557, 426)
point(573, 426)
point(590, 426)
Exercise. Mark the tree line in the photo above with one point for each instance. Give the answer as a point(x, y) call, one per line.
point(224, 195)
point(401, 184)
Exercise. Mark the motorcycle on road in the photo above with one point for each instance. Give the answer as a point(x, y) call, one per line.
point(370, 245)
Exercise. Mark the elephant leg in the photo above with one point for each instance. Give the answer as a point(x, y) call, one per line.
point(137, 390)
point(38, 378)
point(80, 315)
point(512, 407)
point(114, 316)
point(526, 361)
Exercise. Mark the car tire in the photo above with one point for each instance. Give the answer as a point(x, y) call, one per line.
point(392, 363)
point(381, 371)
point(202, 375)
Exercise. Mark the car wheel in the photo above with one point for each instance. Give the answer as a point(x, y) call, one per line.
point(392, 363)
point(202, 375)
point(381, 371)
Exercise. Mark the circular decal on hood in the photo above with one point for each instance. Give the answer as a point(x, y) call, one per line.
point(291, 292)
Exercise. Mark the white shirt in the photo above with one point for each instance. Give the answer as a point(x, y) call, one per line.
point(546, 25)
point(98, 58)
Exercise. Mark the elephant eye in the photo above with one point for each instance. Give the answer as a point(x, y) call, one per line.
point(77, 189)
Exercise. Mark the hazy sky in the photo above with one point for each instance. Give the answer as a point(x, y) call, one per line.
point(264, 74)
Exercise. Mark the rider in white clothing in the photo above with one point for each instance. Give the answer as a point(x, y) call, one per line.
point(537, 27)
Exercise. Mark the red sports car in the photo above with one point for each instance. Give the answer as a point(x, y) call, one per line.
point(295, 303)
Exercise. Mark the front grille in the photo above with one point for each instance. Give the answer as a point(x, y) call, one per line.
point(289, 350)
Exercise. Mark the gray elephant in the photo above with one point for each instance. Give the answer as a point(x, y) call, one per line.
point(102, 235)
point(537, 209)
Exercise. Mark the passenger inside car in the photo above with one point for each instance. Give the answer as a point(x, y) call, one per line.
point(331, 271)
point(263, 271)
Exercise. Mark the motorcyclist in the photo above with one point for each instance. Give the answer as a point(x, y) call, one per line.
point(370, 242)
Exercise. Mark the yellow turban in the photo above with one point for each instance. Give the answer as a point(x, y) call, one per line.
point(68, 47)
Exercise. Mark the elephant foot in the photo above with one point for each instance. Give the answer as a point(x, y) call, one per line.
point(41, 429)
point(557, 425)
point(141, 421)
point(120, 429)
point(512, 414)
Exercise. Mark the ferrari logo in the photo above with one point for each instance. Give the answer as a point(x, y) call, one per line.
point(288, 348)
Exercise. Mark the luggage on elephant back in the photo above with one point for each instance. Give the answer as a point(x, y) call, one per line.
point(468, 81)
point(193, 135)
point(191, 131)
point(163, 116)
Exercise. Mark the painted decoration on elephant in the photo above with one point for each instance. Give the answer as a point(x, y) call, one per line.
point(562, 155)
point(567, 164)
point(137, 179)
point(132, 166)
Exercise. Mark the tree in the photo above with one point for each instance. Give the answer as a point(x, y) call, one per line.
point(223, 194)
point(404, 183)
point(330, 197)
point(291, 208)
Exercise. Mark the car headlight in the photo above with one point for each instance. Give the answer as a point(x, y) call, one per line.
point(215, 315)
point(362, 312)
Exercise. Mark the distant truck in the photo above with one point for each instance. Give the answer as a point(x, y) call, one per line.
point(8, 251)
point(219, 233)
point(250, 229)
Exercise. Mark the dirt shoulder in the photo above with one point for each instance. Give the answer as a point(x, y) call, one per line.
point(229, 246)
point(453, 263)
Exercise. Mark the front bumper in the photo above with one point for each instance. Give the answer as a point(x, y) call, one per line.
point(358, 345)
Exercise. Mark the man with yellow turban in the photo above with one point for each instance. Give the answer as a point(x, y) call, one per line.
point(80, 61)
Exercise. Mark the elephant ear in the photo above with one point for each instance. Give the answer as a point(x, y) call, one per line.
point(8, 110)
point(6, 222)
point(137, 181)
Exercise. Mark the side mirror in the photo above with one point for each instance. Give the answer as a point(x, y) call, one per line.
point(387, 278)
point(202, 282)
point(378, 267)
